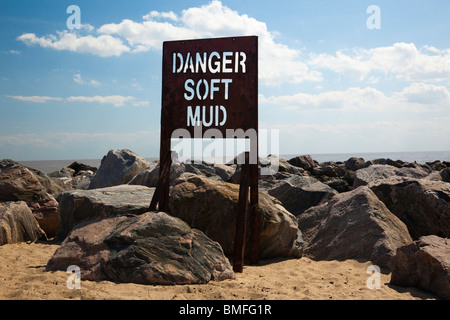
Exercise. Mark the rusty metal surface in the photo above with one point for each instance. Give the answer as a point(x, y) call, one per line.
point(242, 103)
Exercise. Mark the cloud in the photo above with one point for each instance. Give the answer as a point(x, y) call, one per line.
point(160, 15)
point(103, 45)
point(115, 100)
point(416, 97)
point(403, 60)
point(15, 52)
point(77, 78)
point(277, 62)
point(35, 99)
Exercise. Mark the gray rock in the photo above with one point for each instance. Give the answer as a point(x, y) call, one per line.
point(211, 206)
point(118, 167)
point(17, 223)
point(77, 206)
point(298, 193)
point(424, 264)
point(152, 248)
point(379, 172)
point(423, 205)
point(352, 225)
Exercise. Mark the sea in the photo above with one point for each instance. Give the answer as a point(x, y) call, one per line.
point(49, 166)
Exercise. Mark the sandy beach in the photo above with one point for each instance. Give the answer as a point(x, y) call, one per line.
point(23, 277)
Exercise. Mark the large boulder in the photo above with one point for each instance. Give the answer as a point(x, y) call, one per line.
point(77, 206)
point(298, 193)
point(423, 205)
point(352, 225)
point(424, 264)
point(17, 223)
point(118, 167)
point(152, 248)
point(379, 172)
point(18, 183)
point(211, 206)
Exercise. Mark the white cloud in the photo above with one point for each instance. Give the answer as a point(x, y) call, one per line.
point(35, 99)
point(115, 100)
point(15, 52)
point(163, 15)
point(103, 45)
point(403, 60)
point(416, 97)
point(77, 78)
point(277, 62)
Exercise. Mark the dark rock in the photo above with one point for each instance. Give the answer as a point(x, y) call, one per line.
point(299, 193)
point(77, 167)
point(118, 167)
point(436, 165)
point(354, 164)
point(152, 248)
point(211, 206)
point(305, 162)
point(423, 205)
point(338, 184)
point(77, 206)
point(329, 169)
point(18, 183)
point(17, 223)
point(352, 225)
point(445, 174)
point(380, 172)
point(424, 264)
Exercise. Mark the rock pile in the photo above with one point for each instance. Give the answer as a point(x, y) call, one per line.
point(393, 213)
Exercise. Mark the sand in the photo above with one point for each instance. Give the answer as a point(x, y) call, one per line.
point(23, 277)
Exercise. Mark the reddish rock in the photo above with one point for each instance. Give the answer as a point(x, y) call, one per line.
point(152, 248)
point(352, 225)
point(211, 206)
point(423, 205)
point(17, 223)
point(424, 264)
point(18, 183)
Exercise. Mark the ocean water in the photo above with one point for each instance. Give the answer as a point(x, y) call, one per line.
point(419, 157)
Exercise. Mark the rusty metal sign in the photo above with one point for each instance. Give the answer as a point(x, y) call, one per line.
point(211, 82)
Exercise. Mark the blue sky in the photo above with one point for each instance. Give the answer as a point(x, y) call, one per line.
point(327, 82)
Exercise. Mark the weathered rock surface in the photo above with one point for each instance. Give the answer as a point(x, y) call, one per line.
point(423, 205)
point(77, 206)
point(211, 206)
point(445, 174)
point(298, 193)
point(352, 225)
point(152, 248)
point(17, 223)
point(18, 183)
point(424, 264)
point(118, 167)
point(379, 172)
point(304, 161)
point(354, 164)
